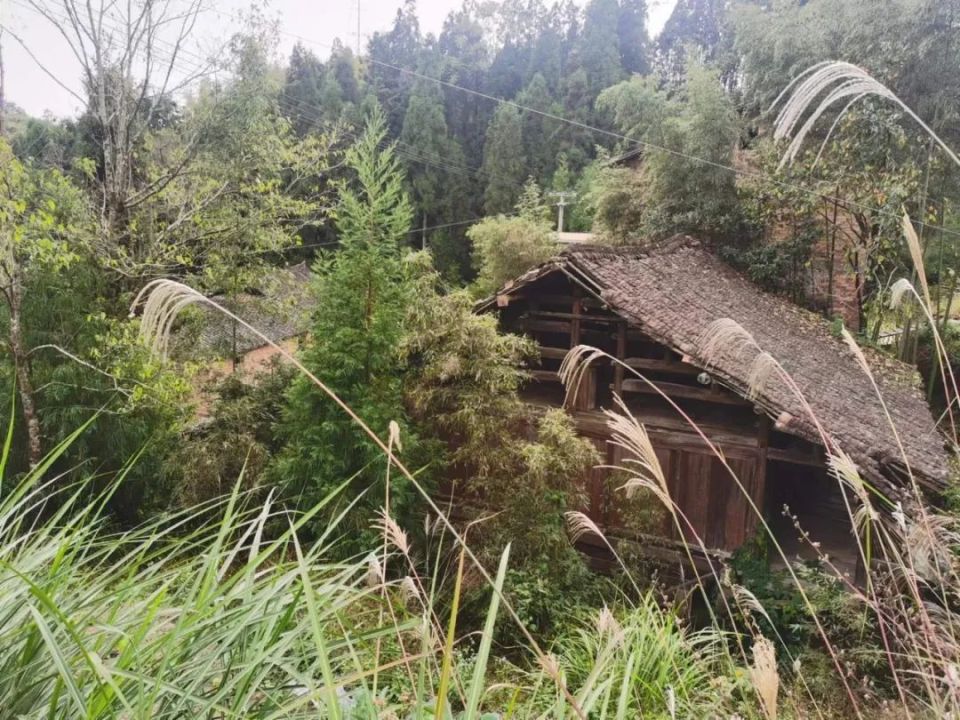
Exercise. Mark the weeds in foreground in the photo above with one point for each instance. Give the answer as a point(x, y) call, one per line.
point(184, 618)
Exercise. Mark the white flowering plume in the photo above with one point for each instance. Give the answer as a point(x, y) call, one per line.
point(826, 85)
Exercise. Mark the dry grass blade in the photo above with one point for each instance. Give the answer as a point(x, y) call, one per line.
point(916, 255)
point(746, 599)
point(641, 458)
point(580, 526)
point(725, 336)
point(607, 624)
point(374, 576)
point(764, 676)
point(842, 467)
point(574, 367)
point(763, 367)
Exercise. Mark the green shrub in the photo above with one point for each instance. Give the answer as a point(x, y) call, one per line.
point(236, 440)
point(506, 247)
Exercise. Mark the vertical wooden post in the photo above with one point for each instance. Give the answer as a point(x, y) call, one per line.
point(621, 355)
point(585, 397)
point(576, 309)
point(763, 442)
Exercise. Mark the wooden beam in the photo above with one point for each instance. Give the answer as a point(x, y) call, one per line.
point(545, 314)
point(670, 366)
point(576, 312)
point(763, 447)
point(553, 353)
point(564, 300)
point(676, 390)
point(555, 326)
point(789, 456)
point(621, 351)
point(544, 375)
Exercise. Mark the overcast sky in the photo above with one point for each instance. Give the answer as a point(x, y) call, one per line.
point(318, 21)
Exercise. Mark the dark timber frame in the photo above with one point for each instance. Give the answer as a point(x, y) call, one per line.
point(560, 312)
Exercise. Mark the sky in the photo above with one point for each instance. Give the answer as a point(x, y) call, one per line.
point(43, 83)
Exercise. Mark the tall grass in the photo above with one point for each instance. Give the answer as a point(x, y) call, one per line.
point(214, 612)
point(200, 615)
point(909, 549)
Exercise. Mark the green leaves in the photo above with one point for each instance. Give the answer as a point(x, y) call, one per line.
point(363, 291)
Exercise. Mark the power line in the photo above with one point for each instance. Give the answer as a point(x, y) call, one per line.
point(641, 143)
point(302, 110)
point(609, 133)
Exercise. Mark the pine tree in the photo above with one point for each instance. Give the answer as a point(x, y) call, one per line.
point(539, 132)
point(398, 48)
point(302, 91)
point(363, 291)
point(504, 163)
point(694, 24)
point(634, 41)
point(532, 205)
point(600, 45)
point(433, 154)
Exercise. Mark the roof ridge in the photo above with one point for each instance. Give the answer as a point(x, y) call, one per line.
point(652, 248)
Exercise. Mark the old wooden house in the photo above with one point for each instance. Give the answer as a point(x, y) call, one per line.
point(652, 308)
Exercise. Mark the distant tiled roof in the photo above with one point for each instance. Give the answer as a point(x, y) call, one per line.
point(675, 292)
point(629, 158)
point(575, 238)
point(280, 309)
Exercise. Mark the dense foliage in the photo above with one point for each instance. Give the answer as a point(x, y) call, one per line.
point(457, 145)
point(362, 293)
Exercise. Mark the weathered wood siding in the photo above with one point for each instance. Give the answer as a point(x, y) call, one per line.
point(712, 505)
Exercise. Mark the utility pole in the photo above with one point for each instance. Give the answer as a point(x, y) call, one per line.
point(562, 198)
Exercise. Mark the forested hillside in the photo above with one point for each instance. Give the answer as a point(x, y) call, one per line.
point(264, 457)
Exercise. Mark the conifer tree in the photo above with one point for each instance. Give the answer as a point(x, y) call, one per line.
point(634, 42)
point(397, 48)
point(362, 292)
point(539, 132)
point(433, 154)
point(504, 163)
point(301, 99)
point(600, 45)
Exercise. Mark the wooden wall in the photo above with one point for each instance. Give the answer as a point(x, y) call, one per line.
point(559, 315)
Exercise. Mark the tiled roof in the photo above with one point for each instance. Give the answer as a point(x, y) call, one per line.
point(676, 291)
point(280, 309)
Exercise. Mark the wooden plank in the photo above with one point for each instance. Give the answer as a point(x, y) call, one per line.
point(565, 300)
point(796, 458)
point(586, 391)
point(721, 488)
point(547, 315)
point(736, 510)
point(544, 375)
point(553, 353)
point(676, 390)
point(763, 443)
point(669, 366)
point(621, 351)
point(557, 326)
point(677, 434)
point(577, 307)
point(597, 478)
point(694, 485)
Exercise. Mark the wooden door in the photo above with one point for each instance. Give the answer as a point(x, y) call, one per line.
point(711, 501)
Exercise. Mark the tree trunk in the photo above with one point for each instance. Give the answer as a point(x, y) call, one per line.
point(24, 384)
